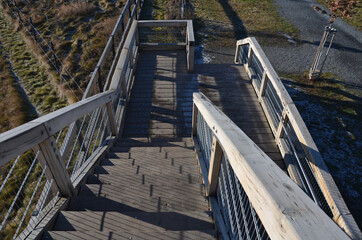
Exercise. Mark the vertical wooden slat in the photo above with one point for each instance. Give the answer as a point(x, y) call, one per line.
point(54, 160)
point(215, 162)
point(194, 120)
point(280, 131)
point(264, 81)
point(112, 119)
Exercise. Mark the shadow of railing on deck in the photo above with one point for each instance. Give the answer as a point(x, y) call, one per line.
point(239, 29)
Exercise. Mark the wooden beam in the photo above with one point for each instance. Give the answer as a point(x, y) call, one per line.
point(194, 120)
point(48, 173)
point(284, 209)
point(214, 169)
point(280, 131)
point(51, 155)
point(237, 49)
point(112, 119)
point(18, 140)
point(190, 33)
point(334, 199)
point(263, 84)
point(162, 23)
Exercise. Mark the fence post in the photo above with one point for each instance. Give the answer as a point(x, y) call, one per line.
point(190, 46)
point(215, 163)
point(264, 81)
point(194, 120)
point(112, 119)
point(280, 131)
point(250, 58)
point(236, 60)
point(52, 157)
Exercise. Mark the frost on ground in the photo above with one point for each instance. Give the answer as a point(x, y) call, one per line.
point(338, 139)
point(200, 56)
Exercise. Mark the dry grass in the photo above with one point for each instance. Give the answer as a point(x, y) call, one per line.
point(76, 9)
point(349, 10)
point(14, 109)
point(232, 20)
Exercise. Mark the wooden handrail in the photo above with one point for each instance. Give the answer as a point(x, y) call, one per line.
point(190, 38)
point(341, 214)
point(18, 140)
point(284, 209)
point(110, 46)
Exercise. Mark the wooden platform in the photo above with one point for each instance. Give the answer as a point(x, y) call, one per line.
point(150, 187)
point(161, 99)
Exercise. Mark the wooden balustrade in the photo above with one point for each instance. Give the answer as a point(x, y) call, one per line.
point(341, 214)
point(284, 209)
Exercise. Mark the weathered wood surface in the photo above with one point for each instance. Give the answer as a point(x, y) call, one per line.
point(341, 214)
point(161, 99)
point(20, 139)
point(144, 188)
point(160, 105)
point(229, 88)
point(291, 213)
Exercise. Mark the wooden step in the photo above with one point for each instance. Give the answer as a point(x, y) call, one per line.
point(133, 221)
point(148, 197)
point(156, 140)
point(138, 143)
point(143, 175)
point(119, 151)
point(133, 169)
point(149, 204)
point(159, 150)
point(160, 235)
point(143, 178)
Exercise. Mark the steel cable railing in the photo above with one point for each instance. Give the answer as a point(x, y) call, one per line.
point(250, 195)
point(204, 136)
point(238, 213)
point(66, 143)
point(304, 163)
point(273, 106)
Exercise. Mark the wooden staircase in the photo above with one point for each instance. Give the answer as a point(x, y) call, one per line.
point(144, 190)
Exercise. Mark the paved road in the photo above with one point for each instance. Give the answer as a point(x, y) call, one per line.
point(345, 58)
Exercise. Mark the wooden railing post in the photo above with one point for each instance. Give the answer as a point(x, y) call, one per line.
point(236, 60)
point(280, 130)
point(194, 120)
point(112, 119)
point(250, 55)
point(52, 157)
point(264, 81)
point(215, 163)
point(248, 63)
point(190, 46)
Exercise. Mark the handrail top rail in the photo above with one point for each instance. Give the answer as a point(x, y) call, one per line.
point(285, 210)
point(171, 23)
point(268, 68)
point(340, 211)
point(20, 139)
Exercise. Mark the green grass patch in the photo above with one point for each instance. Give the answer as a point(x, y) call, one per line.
point(332, 93)
point(233, 20)
point(32, 74)
point(14, 108)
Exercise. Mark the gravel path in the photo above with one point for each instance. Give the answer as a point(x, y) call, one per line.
point(345, 58)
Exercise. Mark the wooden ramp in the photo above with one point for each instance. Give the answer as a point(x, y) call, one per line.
point(150, 186)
